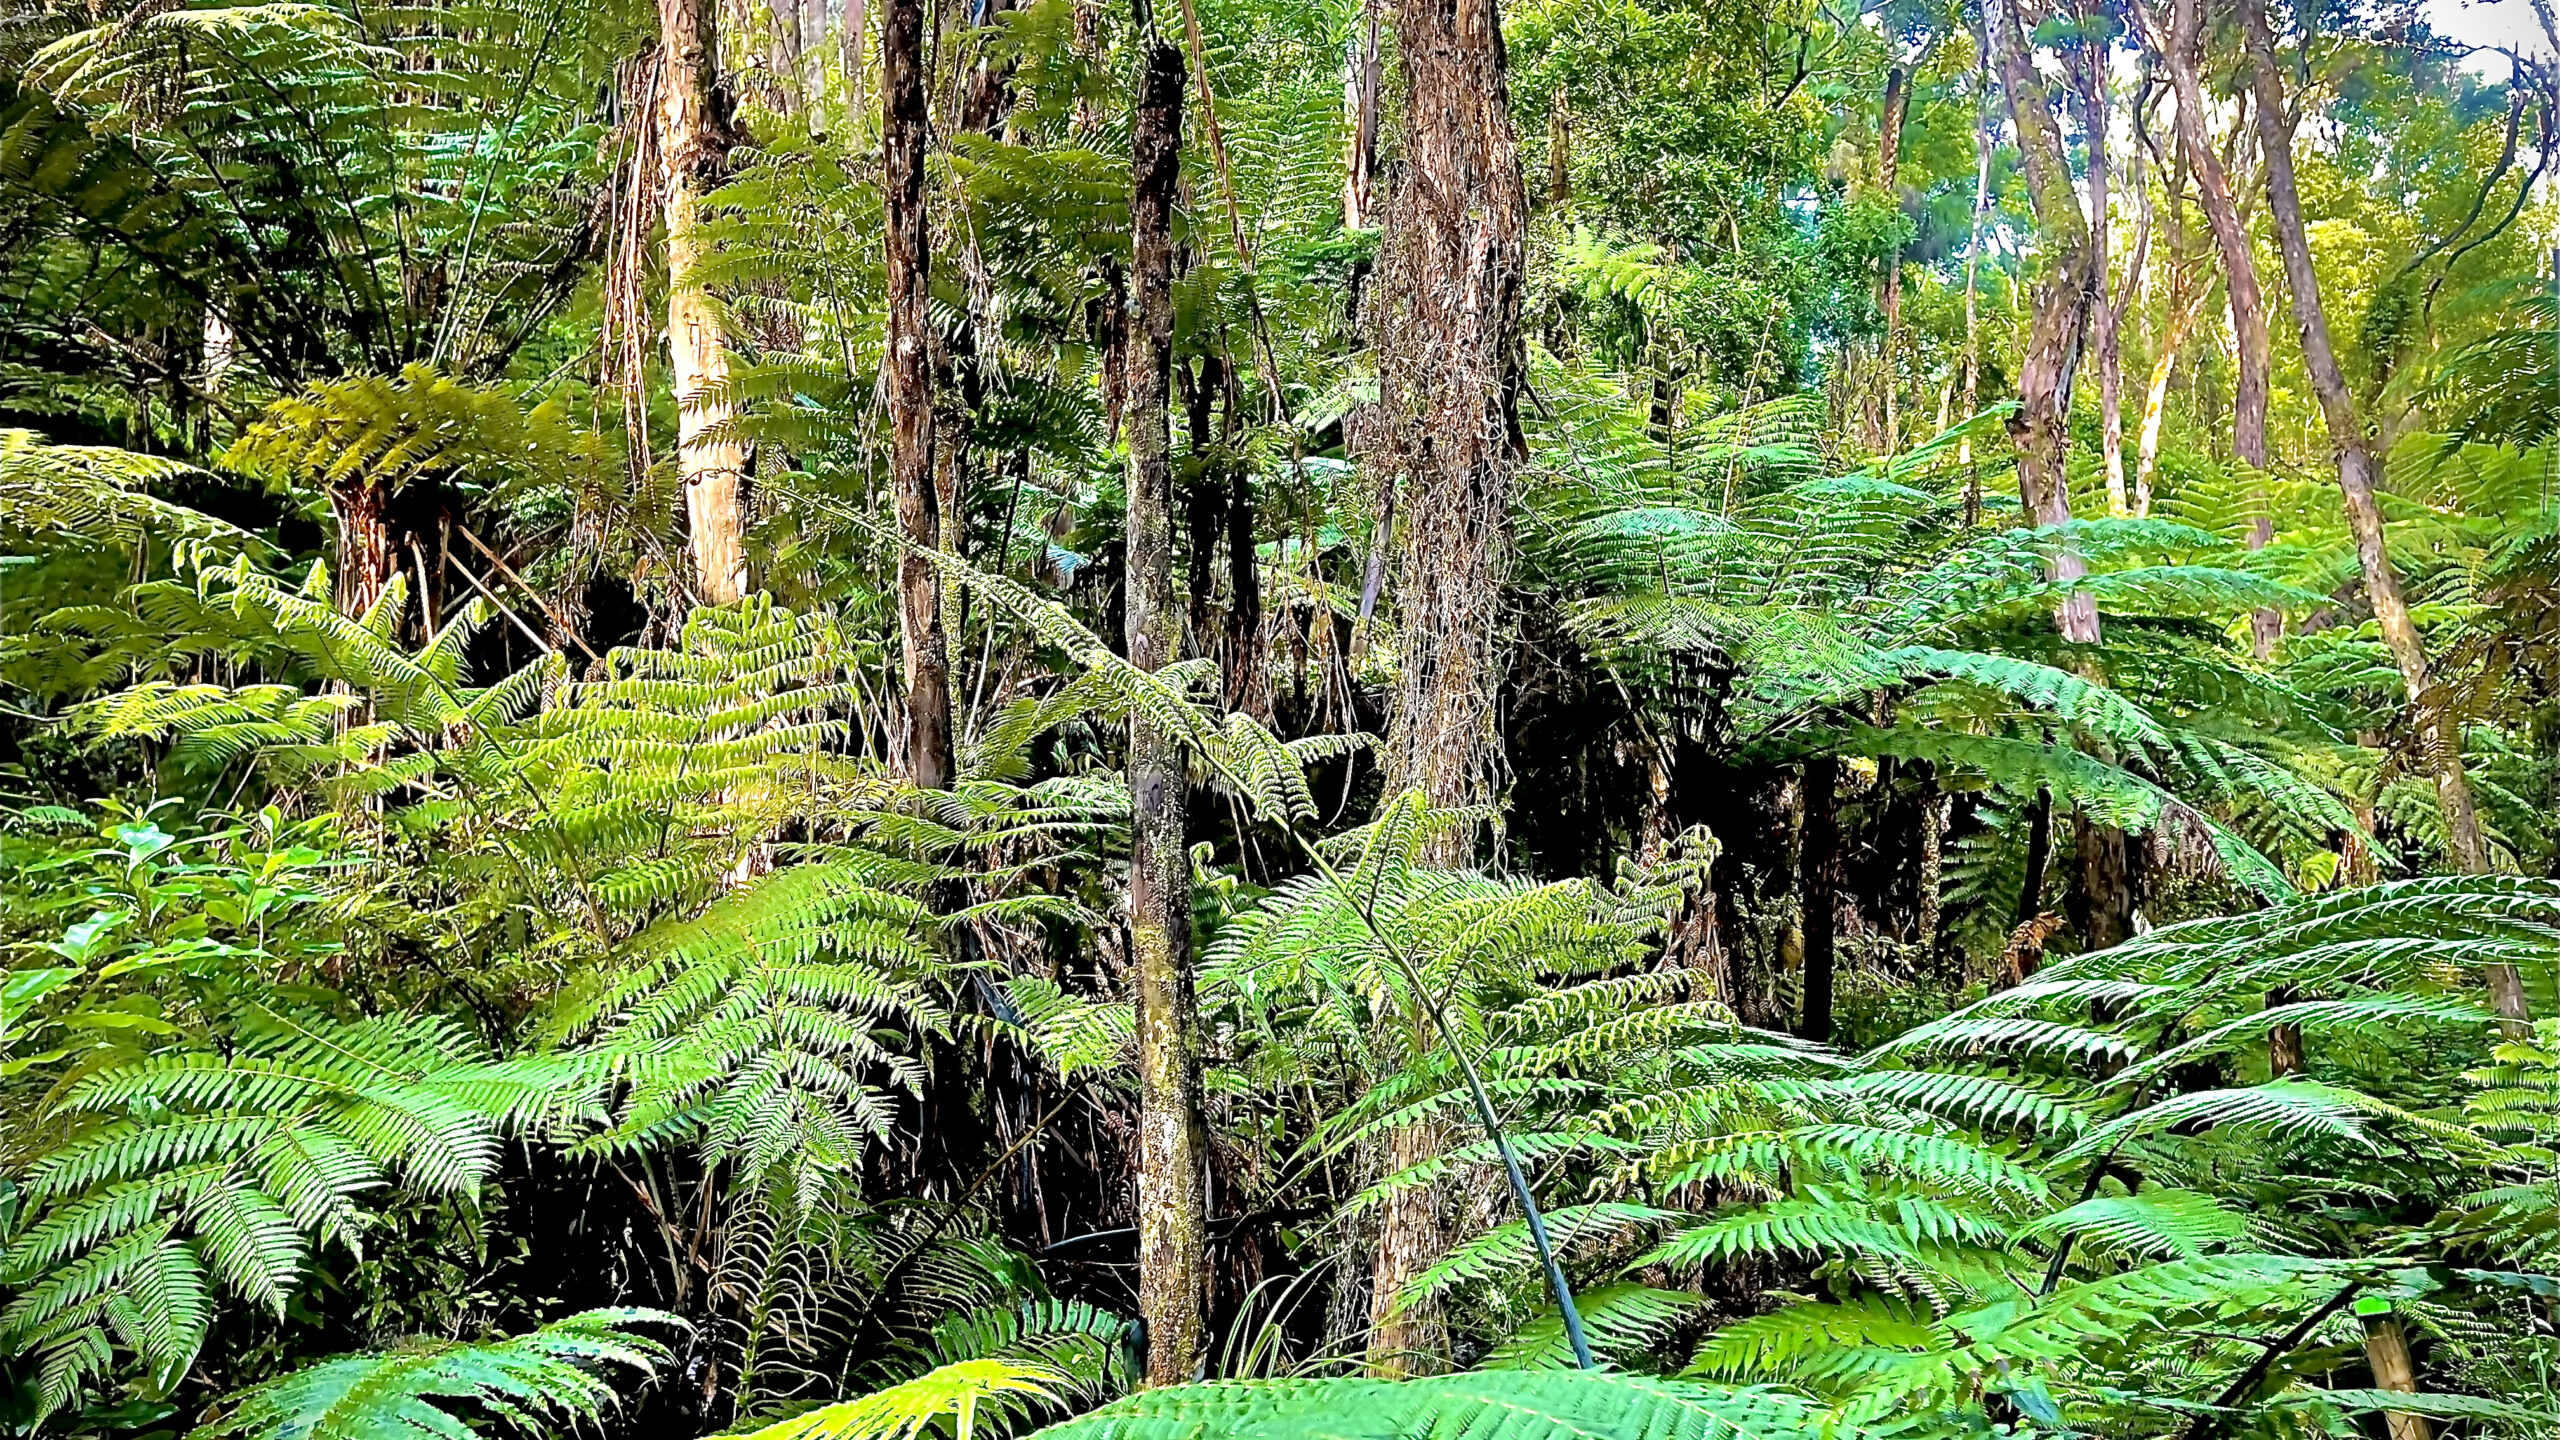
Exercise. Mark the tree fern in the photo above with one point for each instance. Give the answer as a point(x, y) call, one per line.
point(570, 1370)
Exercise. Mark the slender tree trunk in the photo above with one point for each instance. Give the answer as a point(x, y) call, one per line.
point(1559, 147)
point(1448, 416)
point(694, 140)
point(2180, 49)
point(2107, 323)
point(852, 43)
point(1172, 1149)
point(1818, 888)
point(1248, 663)
point(2155, 405)
point(2070, 286)
point(1360, 106)
point(2358, 463)
point(910, 386)
point(1972, 281)
point(2039, 857)
point(1897, 104)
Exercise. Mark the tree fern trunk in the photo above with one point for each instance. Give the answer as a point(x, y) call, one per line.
point(2358, 462)
point(1449, 374)
point(909, 363)
point(2386, 1348)
point(365, 556)
point(1411, 1340)
point(2065, 293)
point(1818, 886)
point(1172, 1151)
point(694, 139)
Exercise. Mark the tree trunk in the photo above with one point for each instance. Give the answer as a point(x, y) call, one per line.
point(910, 386)
point(694, 140)
point(2357, 463)
point(1818, 888)
point(2155, 406)
point(1448, 434)
point(1172, 1150)
point(2386, 1348)
point(1972, 283)
point(1360, 106)
point(366, 558)
point(1897, 104)
point(2106, 317)
point(1443, 442)
point(851, 43)
point(2039, 857)
point(1248, 666)
point(2180, 50)
point(2069, 288)
point(2104, 896)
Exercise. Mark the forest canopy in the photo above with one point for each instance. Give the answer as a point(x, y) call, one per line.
point(1179, 719)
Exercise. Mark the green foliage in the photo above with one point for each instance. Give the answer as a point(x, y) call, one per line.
point(570, 1370)
point(1493, 1405)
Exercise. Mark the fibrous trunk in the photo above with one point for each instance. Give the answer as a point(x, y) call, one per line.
point(365, 558)
point(2065, 293)
point(694, 140)
point(1172, 1168)
point(1443, 441)
point(909, 363)
point(1447, 432)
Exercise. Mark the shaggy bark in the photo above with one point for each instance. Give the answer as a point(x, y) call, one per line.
point(1447, 432)
point(2070, 286)
point(365, 554)
point(910, 387)
point(1818, 888)
point(695, 137)
point(1443, 440)
point(1172, 1148)
point(2359, 461)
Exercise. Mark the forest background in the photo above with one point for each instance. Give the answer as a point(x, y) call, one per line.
point(1382, 717)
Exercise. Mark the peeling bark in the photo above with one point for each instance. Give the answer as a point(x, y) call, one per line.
point(2070, 286)
point(695, 137)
